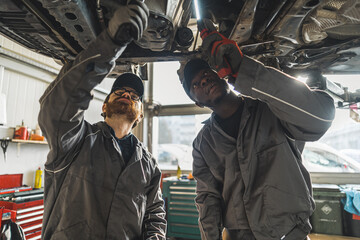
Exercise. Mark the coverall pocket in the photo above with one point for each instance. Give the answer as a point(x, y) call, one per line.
point(78, 231)
point(284, 211)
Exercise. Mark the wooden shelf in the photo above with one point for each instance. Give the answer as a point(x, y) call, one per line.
point(28, 141)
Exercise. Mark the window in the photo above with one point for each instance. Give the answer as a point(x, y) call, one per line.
point(173, 137)
point(167, 86)
point(174, 131)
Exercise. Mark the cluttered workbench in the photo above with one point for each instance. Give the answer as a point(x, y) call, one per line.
point(330, 220)
point(21, 205)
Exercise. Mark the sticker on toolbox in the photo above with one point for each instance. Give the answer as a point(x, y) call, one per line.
point(326, 209)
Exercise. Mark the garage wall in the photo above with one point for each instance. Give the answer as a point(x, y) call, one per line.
point(24, 76)
point(22, 97)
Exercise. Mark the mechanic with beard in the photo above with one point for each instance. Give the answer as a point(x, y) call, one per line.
point(100, 181)
point(247, 158)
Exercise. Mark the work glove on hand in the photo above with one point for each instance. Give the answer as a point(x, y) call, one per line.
point(128, 22)
point(205, 27)
point(224, 54)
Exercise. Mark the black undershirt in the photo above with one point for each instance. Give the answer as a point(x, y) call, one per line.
point(231, 124)
point(126, 145)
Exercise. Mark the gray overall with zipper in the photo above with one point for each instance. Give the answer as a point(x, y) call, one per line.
point(90, 192)
point(257, 181)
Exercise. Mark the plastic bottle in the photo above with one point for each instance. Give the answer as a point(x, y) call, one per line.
point(21, 132)
point(38, 130)
point(38, 177)
point(178, 172)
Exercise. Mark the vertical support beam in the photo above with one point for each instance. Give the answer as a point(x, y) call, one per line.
point(148, 120)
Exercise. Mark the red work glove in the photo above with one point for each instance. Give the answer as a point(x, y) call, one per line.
point(224, 54)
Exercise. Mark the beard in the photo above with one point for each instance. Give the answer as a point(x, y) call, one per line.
point(120, 108)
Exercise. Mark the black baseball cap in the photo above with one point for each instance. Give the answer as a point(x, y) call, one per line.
point(129, 80)
point(192, 67)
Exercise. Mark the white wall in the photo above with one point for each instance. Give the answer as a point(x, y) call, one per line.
point(25, 159)
point(22, 97)
point(24, 75)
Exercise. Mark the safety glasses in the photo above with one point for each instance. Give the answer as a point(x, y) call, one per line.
point(133, 94)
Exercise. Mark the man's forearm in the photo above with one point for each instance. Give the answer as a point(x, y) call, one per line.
point(154, 219)
point(210, 216)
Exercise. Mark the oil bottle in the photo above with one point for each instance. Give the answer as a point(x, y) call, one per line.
point(38, 177)
point(178, 172)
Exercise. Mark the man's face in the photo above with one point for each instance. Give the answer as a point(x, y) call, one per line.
point(124, 101)
point(207, 89)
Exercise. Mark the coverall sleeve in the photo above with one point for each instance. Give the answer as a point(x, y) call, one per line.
point(154, 220)
point(62, 106)
point(305, 114)
point(208, 200)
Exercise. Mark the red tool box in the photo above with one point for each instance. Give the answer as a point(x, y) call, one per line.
point(27, 214)
point(10, 180)
point(10, 183)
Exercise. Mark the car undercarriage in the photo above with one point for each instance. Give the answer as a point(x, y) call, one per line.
point(311, 37)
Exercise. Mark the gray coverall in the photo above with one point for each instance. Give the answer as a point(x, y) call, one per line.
point(257, 181)
point(90, 193)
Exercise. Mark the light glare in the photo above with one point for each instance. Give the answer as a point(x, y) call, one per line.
point(197, 12)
